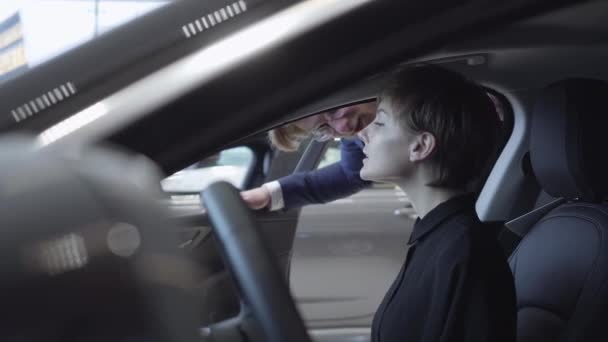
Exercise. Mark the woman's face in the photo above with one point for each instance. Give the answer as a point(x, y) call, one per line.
point(388, 147)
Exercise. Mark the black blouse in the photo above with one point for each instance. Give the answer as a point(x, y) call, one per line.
point(455, 284)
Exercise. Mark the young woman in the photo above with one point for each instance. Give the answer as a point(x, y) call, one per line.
point(433, 135)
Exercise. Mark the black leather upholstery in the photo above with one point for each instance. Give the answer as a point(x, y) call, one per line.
point(561, 265)
point(568, 137)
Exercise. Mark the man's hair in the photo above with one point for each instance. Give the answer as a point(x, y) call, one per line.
point(456, 111)
point(287, 137)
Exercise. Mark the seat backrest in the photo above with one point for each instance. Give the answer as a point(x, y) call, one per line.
point(561, 266)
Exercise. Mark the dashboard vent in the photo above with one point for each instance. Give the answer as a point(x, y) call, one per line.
point(43, 101)
point(209, 20)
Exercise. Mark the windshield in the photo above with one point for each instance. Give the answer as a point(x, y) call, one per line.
point(60, 57)
point(34, 31)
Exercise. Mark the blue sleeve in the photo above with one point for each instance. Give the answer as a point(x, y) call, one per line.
point(335, 181)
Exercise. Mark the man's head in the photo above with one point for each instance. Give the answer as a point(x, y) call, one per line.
point(342, 122)
point(433, 117)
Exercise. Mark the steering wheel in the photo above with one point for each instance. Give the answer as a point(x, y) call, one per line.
point(262, 287)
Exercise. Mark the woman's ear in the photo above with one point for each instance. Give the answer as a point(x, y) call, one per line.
point(422, 147)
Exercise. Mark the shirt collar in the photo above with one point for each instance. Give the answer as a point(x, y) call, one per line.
point(439, 214)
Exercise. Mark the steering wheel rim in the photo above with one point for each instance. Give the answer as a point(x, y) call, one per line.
point(258, 277)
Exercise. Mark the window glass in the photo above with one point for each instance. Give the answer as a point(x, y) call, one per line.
point(230, 165)
point(331, 155)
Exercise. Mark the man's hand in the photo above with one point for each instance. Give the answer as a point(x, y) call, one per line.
point(257, 198)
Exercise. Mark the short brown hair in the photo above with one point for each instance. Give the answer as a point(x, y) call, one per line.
point(458, 113)
point(288, 137)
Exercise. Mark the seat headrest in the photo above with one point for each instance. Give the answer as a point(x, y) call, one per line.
point(567, 142)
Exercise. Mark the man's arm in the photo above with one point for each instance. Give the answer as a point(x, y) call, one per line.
point(335, 181)
point(332, 182)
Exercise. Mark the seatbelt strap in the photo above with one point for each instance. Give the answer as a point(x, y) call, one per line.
point(521, 225)
point(516, 229)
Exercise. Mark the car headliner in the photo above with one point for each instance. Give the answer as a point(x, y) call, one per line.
point(524, 56)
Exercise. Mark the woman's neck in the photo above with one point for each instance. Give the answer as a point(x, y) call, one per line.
point(425, 198)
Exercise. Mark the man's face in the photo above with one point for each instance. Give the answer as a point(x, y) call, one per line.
point(343, 122)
